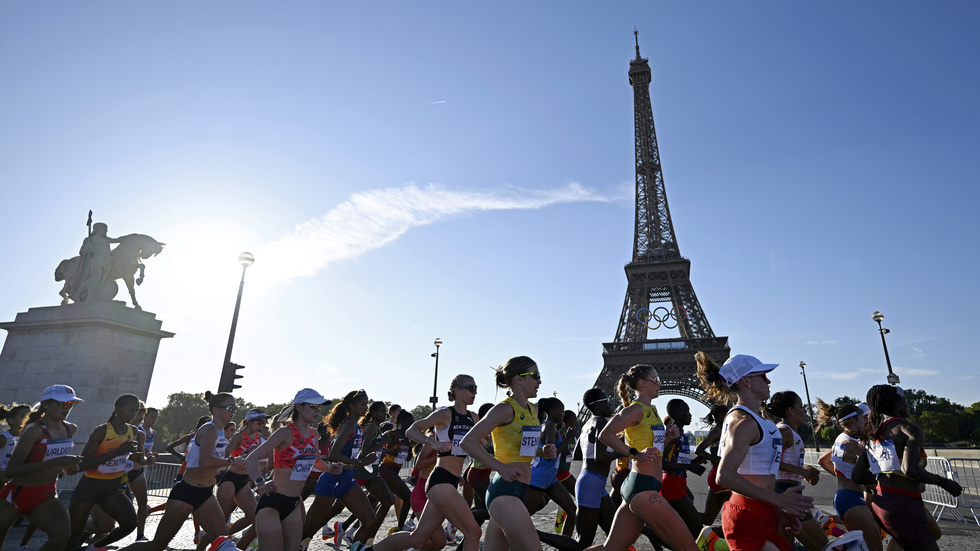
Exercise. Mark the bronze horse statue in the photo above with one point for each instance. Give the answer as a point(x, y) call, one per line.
point(125, 261)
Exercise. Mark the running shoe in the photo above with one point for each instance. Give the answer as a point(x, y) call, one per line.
point(327, 532)
point(198, 536)
point(706, 539)
point(338, 533)
point(409, 525)
point(560, 520)
point(357, 546)
point(303, 545)
point(222, 543)
point(392, 530)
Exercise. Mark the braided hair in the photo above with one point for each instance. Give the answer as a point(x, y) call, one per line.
point(883, 401)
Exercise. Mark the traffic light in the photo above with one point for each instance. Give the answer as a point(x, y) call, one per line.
point(228, 376)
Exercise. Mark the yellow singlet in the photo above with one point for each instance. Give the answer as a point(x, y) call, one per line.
point(117, 466)
point(648, 432)
point(517, 441)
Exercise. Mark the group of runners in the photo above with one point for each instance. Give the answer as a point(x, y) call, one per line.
point(350, 457)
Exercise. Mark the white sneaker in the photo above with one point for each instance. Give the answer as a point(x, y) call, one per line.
point(409, 525)
point(327, 531)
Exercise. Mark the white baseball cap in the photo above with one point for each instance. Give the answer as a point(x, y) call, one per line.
point(255, 414)
point(740, 365)
point(61, 393)
point(309, 396)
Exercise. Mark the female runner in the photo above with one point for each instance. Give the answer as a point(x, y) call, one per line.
point(646, 437)
point(750, 454)
point(346, 449)
point(14, 417)
point(595, 507)
point(442, 489)
point(391, 465)
point(144, 421)
point(279, 515)
point(896, 458)
point(368, 475)
point(516, 436)
point(544, 472)
point(717, 495)
point(849, 499)
point(105, 460)
point(206, 454)
point(787, 407)
point(41, 454)
point(233, 485)
point(677, 461)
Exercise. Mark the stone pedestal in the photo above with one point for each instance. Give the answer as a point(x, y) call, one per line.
point(102, 350)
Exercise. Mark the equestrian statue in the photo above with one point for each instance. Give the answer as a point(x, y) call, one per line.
point(91, 276)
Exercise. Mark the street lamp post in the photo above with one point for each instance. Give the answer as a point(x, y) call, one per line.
point(809, 407)
point(228, 376)
point(892, 377)
point(435, 380)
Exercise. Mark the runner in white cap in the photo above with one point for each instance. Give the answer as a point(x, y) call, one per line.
point(751, 448)
point(42, 453)
point(279, 514)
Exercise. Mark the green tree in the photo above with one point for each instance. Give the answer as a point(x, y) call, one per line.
point(940, 427)
point(420, 412)
point(180, 415)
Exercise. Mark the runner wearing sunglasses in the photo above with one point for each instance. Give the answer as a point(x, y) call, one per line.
point(345, 449)
point(40, 456)
point(442, 488)
point(516, 436)
point(206, 455)
point(279, 513)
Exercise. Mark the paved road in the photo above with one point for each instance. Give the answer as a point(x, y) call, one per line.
point(956, 537)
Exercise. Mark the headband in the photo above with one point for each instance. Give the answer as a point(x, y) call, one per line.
point(848, 416)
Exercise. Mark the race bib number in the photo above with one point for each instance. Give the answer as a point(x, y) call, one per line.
point(116, 465)
point(659, 437)
point(304, 464)
point(58, 448)
point(883, 457)
point(777, 454)
point(401, 457)
point(530, 437)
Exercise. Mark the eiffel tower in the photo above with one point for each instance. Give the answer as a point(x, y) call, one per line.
point(659, 294)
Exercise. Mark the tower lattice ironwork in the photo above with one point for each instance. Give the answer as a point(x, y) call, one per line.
point(659, 294)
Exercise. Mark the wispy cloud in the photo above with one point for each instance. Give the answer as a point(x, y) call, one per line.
point(848, 376)
point(372, 219)
point(437, 102)
point(822, 342)
point(966, 378)
point(918, 353)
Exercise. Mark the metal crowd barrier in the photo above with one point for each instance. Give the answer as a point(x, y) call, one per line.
point(967, 473)
point(934, 495)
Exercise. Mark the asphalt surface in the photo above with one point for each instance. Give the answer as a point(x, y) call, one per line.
point(956, 536)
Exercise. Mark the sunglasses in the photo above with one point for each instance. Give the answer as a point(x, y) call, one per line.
point(655, 380)
point(534, 375)
point(358, 393)
point(471, 388)
point(314, 406)
point(232, 408)
point(67, 405)
point(142, 410)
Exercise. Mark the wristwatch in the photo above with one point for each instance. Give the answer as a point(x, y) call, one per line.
point(259, 480)
point(633, 452)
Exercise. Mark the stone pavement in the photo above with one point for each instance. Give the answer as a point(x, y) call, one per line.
point(956, 536)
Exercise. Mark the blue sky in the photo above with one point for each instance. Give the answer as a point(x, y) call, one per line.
point(406, 171)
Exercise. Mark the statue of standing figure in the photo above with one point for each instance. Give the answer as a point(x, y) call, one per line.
point(90, 277)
